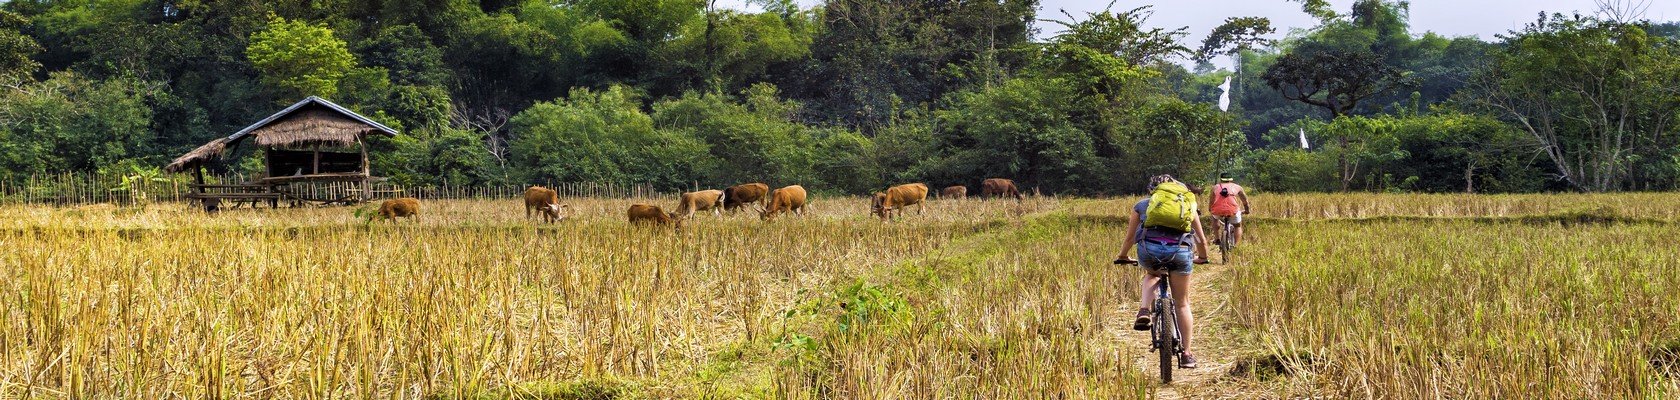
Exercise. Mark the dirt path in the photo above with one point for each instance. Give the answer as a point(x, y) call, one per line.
point(1213, 344)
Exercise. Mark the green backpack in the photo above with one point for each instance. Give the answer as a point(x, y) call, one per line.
point(1171, 207)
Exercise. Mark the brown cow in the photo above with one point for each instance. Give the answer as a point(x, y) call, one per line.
point(899, 197)
point(790, 198)
point(998, 187)
point(398, 208)
point(546, 202)
point(954, 193)
point(646, 214)
point(700, 201)
point(736, 196)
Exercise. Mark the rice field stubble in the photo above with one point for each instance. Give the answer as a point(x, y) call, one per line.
point(1374, 296)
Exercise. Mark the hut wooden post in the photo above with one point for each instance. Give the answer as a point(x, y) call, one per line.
point(367, 176)
point(198, 176)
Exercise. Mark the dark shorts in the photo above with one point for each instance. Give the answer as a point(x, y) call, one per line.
point(1172, 258)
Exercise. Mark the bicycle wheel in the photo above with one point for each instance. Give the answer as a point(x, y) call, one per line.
point(1225, 243)
point(1165, 330)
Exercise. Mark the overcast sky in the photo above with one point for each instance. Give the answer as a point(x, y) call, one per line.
point(1452, 18)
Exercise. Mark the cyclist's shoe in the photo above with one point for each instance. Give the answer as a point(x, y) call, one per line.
point(1142, 322)
point(1186, 361)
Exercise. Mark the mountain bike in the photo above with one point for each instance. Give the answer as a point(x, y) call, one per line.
point(1225, 236)
point(1164, 337)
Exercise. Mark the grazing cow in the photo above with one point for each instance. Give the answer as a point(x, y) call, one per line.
point(999, 187)
point(736, 196)
point(398, 208)
point(954, 193)
point(789, 199)
point(649, 214)
point(545, 201)
point(700, 201)
point(899, 197)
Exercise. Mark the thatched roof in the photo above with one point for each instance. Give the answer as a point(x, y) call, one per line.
point(311, 122)
point(208, 151)
point(312, 126)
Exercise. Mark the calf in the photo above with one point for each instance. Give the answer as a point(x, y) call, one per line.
point(787, 199)
point(736, 196)
point(899, 197)
point(544, 201)
point(398, 208)
point(954, 193)
point(650, 214)
point(700, 201)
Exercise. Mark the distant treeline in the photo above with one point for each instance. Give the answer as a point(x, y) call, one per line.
point(850, 96)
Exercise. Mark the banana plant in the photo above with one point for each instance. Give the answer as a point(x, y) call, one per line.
point(134, 183)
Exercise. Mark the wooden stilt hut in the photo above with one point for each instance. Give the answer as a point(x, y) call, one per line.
point(311, 142)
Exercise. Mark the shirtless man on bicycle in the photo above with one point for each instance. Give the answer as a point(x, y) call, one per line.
point(1226, 195)
point(1170, 252)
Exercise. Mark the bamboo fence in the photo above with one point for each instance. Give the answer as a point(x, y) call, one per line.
point(90, 188)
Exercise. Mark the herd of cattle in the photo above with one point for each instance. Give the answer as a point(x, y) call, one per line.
point(545, 203)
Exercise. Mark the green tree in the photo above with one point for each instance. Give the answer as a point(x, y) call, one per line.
point(430, 157)
point(1333, 79)
point(16, 49)
point(756, 139)
point(407, 54)
point(872, 59)
point(418, 107)
point(727, 51)
point(601, 137)
point(843, 161)
point(503, 62)
point(1294, 170)
point(1021, 128)
point(1193, 141)
point(299, 59)
point(1317, 8)
point(68, 123)
point(1109, 54)
point(1593, 96)
point(1458, 152)
point(1237, 34)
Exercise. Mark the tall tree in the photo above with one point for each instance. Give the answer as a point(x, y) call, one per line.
point(1237, 34)
point(299, 59)
point(1593, 95)
point(16, 49)
point(1335, 80)
point(873, 59)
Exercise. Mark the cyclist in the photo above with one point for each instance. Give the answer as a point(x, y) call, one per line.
point(1170, 251)
point(1226, 195)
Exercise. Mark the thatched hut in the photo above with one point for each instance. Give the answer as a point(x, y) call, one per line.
point(311, 141)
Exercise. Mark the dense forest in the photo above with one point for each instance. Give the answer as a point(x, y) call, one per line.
point(852, 95)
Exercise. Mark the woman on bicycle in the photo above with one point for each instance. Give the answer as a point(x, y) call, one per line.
point(1166, 251)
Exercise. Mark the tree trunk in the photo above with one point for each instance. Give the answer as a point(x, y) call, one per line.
point(1341, 156)
point(1469, 178)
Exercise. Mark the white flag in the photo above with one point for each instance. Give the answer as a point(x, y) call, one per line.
point(1225, 95)
point(1304, 138)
